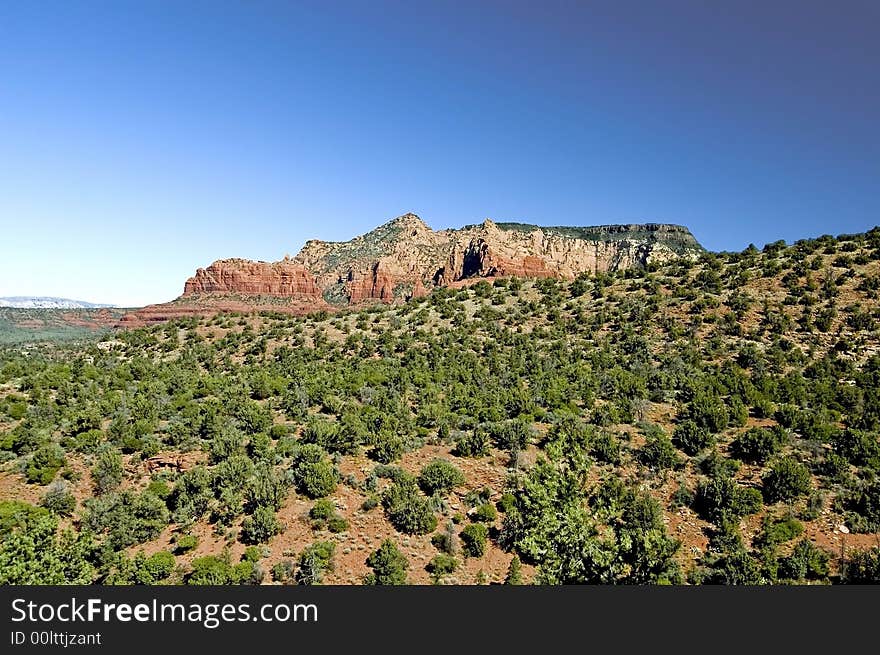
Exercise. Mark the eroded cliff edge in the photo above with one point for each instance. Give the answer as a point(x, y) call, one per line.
point(405, 258)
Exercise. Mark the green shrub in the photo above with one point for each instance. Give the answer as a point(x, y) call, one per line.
point(107, 472)
point(441, 564)
point(322, 510)
point(159, 488)
point(17, 514)
point(46, 461)
point(314, 562)
point(472, 444)
point(445, 541)
point(514, 572)
point(778, 531)
point(806, 562)
point(691, 438)
point(388, 447)
point(282, 571)
point(260, 527)
point(59, 500)
point(389, 565)
point(210, 570)
point(439, 476)
point(485, 513)
point(708, 411)
point(862, 567)
point(756, 445)
point(184, 543)
point(786, 480)
point(159, 566)
point(473, 539)
point(407, 510)
point(719, 498)
point(864, 506)
point(312, 472)
point(337, 524)
point(658, 453)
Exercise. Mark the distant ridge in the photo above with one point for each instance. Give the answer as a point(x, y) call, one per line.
point(404, 258)
point(47, 302)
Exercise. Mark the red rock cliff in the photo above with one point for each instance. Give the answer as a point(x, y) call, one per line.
point(405, 258)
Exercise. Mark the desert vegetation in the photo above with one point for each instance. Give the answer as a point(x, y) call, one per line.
point(707, 421)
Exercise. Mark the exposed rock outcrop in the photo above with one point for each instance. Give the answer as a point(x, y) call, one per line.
point(405, 258)
point(284, 278)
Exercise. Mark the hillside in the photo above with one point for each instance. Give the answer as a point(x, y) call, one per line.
point(404, 258)
point(20, 325)
point(709, 419)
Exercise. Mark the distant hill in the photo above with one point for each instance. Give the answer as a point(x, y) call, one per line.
point(30, 324)
point(404, 258)
point(47, 302)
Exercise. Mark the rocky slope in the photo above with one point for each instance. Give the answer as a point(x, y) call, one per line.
point(405, 258)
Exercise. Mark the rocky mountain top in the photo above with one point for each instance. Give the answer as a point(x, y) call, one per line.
point(404, 258)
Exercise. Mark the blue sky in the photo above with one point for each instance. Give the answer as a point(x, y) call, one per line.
point(141, 140)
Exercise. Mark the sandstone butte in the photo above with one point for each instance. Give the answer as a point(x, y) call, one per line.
point(405, 258)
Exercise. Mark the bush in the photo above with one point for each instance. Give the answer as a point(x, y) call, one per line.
point(865, 504)
point(158, 566)
point(107, 472)
point(407, 510)
point(756, 445)
point(720, 499)
point(337, 524)
point(442, 564)
point(506, 503)
point(858, 447)
point(485, 513)
point(806, 562)
point(184, 543)
point(210, 570)
point(786, 480)
point(314, 562)
point(444, 541)
point(691, 438)
point(283, 571)
point(514, 572)
point(439, 476)
point(312, 472)
point(738, 568)
point(388, 447)
point(18, 514)
point(59, 500)
point(708, 411)
point(472, 444)
point(473, 539)
point(658, 453)
point(511, 436)
point(260, 527)
point(125, 518)
point(388, 564)
point(777, 532)
point(45, 463)
point(862, 567)
point(322, 510)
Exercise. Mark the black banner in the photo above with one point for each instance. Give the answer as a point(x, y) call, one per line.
point(231, 619)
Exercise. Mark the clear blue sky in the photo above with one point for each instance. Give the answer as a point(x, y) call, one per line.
point(141, 140)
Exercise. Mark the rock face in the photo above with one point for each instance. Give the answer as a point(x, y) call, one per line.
point(283, 278)
point(405, 258)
